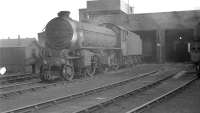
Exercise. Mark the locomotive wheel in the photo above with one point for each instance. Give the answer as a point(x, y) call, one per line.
point(114, 63)
point(41, 73)
point(91, 70)
point(67, 72)
point(45, 75)
point(116, 67)
point(198, 68)
point(106, 69)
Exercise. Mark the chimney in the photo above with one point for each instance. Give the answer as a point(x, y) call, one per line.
point(64, 14)
point(18, 37)
point(19, 41)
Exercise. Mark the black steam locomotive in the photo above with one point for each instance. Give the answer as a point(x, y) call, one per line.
point(73, 48)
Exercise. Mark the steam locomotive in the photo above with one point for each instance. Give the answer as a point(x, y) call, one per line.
point(71, 48)
point(195, 49)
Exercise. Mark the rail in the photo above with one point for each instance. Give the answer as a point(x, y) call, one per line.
point(85, 93)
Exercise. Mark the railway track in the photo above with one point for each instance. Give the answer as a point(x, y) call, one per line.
point(143, 79)
point(2, 87)
point(12, 90)
point(138, 100)
point(186, 100)
point(21, 88)
point(17, 78)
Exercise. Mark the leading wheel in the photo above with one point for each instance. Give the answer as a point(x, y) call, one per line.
point(67, 72)
point(45, 74)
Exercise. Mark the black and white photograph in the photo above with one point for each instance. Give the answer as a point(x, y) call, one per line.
point(100, 56)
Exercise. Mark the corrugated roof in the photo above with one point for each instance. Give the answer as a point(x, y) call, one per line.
point(23, 42)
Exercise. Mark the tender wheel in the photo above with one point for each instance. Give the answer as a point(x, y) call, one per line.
point(105, 69)
point(67, 72)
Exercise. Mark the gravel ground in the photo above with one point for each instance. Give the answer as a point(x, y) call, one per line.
point(187, 101)
point(74, 87)
point(135, 100)
point(74, 105)
point(11, 80)
point(34, 83)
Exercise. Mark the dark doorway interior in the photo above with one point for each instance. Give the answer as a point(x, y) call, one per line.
point(148, 45)
point(176, 44)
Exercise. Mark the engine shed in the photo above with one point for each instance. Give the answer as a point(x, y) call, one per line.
point(165, 35)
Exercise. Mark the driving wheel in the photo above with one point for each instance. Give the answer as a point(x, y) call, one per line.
point(67, 72)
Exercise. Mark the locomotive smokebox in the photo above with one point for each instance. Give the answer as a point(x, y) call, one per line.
point(59, 31)
point(64, 14)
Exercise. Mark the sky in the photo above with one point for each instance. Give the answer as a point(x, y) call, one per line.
point(28, 17)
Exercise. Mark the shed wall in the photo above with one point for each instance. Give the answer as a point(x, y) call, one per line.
point(13, 58)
